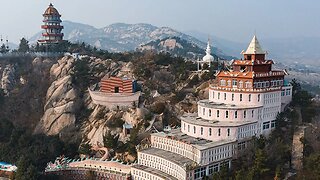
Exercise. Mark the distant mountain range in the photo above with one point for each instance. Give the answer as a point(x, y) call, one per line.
point(127, 37)
point(124, 37)
point(176, 46)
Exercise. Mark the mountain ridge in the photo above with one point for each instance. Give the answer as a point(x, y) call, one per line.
point(120, 37)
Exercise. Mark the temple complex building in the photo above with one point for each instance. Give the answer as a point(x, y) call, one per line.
point(243, 102)
point(116, 92)
point(52, 26)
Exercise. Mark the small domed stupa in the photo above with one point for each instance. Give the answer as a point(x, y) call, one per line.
point(52, 26)
point(207, 59)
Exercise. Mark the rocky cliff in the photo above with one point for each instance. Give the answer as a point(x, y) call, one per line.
point(61, 105)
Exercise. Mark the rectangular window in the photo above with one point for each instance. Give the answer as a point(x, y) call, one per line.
point(201, 130)
point(249, 97)
point(228, 132)
point(273, 123)
point(218, 95)
point(210, 131)
point(218, 113)
point(194, 129)
point(213, 95)
point(258, 97)
point(236, 114)
point(266, 125)
point(203, 111)
point(227, 114)
point(252, 113)
point(232, 97)
point(244, 114)
point(188, 128)
point(240, 97)
point(219, 132)
point(225, 96)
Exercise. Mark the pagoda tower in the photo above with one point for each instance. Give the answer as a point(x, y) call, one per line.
point(52, 26)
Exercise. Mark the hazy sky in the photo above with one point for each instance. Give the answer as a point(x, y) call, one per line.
point(235, 20)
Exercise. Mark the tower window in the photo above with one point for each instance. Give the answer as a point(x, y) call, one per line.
point(219, 132)
point(236, 114)
point(194, 129)
point(210, 131)
point(232, 97)
point(201, 130)
point(116, 89)
point(234, 82)
point(240, 84)
point(242, 68)
point(249, 97)
point(258, 97)
point(229, 83)
point(244, 114)
point(188, 128)
point(209, 112)
point(218, 113)
point(227, 114)
point(225, 96)
point(240, 97)
point(228, 132)
point(252, 113)
point(218, 95)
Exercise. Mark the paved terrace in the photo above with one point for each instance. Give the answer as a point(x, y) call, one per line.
point(198, 143)
point(169, 156)
point(211, 104)
point(154, 171)
point(195, 120)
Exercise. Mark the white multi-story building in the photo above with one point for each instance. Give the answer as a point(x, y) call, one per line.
point(243, 102)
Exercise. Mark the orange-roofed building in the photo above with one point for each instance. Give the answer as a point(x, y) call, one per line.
point(116, 92)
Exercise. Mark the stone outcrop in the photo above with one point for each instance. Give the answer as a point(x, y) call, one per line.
point(7, 78)
point(61, 100)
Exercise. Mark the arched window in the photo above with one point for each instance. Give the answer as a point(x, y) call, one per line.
point(227, 114)
point(229, 83)
point(240, 84)
point(236, 114)
point(228, 132)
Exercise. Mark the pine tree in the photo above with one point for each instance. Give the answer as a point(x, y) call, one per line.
point(24, 46)
point(22, 166)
